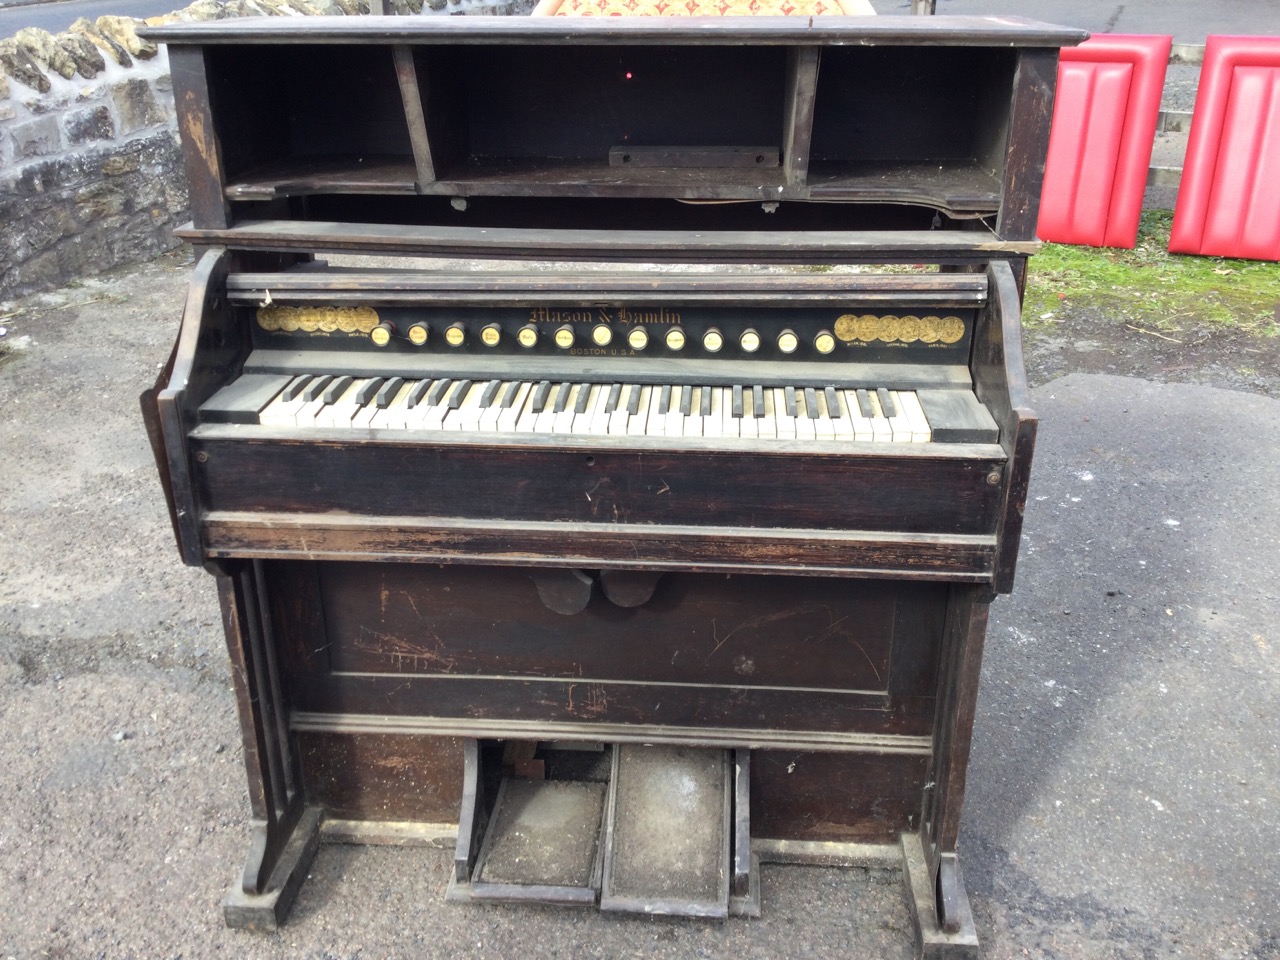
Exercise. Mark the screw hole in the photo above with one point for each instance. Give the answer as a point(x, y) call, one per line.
point(626, 158)
point(591, 461)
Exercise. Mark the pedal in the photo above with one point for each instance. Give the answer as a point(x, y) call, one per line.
point(668, 831)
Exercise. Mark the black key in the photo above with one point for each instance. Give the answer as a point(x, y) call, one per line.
point(757, 401)
point(835, 409)
point(789, 399)
point(295, 387)
point(367, 390)
point(418, 393)
point(315, 388)
point(459, 394)
point(584, 394)
point(436, 394)
point(705, 409)
point(615, 392)
point(664, 401)
point(562, 397)
point(811, 402)
point(336, 389)
point(633, 400)
point(887, 406)
point(540, 396)
point(864, 404)
point(686, 400)
point(737, 400)
point(490, 391)
point(509, 395)
point(388, 392)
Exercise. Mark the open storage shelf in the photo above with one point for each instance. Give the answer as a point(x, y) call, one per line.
point(852, 111)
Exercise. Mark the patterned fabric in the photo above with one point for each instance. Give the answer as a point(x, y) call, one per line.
point(700, 8)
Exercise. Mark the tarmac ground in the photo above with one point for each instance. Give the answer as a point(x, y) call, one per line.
point(1124, 791)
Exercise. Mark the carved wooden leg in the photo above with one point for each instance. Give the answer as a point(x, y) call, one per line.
point(939, 903)
point(285, 832)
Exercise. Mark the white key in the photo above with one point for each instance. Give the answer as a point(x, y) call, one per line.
point(547, 418)
point(824, 426)
point(427, 415)
point(842, 426)
point(674, 426)
point(392, 417)
point(618, 419)
point(637, 426)
point(280, 412)
point(785, 425)
point(900, 424)
point(693, 422)
point(598, 424)
point(566, 419)
point(340, 412)
point(582, 421)
point(748, 424)
point(510, 415)
point(528, 420)
point(920, 432)
point(656, 426)
point(730, 426)
point(806, 428)
point(861, 425)
point(880, 429)
point(364, 416)
point(488, 421)
point(468, 413)
point(713, 423)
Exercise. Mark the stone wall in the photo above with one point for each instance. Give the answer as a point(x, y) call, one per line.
point(91, 170)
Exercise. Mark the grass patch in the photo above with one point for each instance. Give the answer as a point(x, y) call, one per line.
point(1148, 286)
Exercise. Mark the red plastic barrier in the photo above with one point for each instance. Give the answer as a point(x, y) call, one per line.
point(1229, 200)
point(1104, 124)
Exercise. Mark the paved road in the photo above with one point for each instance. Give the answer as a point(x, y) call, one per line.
point(56, 17)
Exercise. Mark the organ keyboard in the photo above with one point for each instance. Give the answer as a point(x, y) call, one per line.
point(576, 533)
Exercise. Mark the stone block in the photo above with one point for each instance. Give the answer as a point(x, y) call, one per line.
point(44, 49)
point(114, 166)
point(136, 106)
point(17, 63)
point(85, 126)
point(39, 137)
point(102, 203)
point(88, 60)
point(110, 48)
point(124, 30)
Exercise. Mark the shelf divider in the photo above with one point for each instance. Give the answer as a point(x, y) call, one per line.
point(407, 75)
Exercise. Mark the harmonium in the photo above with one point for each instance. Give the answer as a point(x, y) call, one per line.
point(607, 437)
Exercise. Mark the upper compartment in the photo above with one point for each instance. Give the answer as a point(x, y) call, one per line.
point(858, 123)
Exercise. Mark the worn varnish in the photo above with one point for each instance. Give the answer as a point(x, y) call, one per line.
point(418, 622)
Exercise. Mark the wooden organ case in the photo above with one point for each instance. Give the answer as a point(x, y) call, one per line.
point(626, 578)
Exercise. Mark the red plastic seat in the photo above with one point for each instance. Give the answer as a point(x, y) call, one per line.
point(1104, 125)
point(1229, 200)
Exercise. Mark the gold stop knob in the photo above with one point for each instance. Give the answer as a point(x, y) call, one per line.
point(601, 335)
point(638, 338)
point(418, 334)
point(564, 337)
point(455, 335)
point(824, 342)
point(381, 334)
point(749, 341)
point(788, 341)
point(490, 335)
point(527, 336)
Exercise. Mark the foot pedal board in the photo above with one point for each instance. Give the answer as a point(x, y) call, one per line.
point(643, 829)
point(667, 837)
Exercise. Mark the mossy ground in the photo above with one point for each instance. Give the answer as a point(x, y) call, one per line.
point(1152, 288)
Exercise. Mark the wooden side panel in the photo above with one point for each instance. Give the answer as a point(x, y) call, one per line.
point(1029, 123)
point(205, 353)
point(383, 777)
point(200, 148)
point(1000, 383)
point(835, 797)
